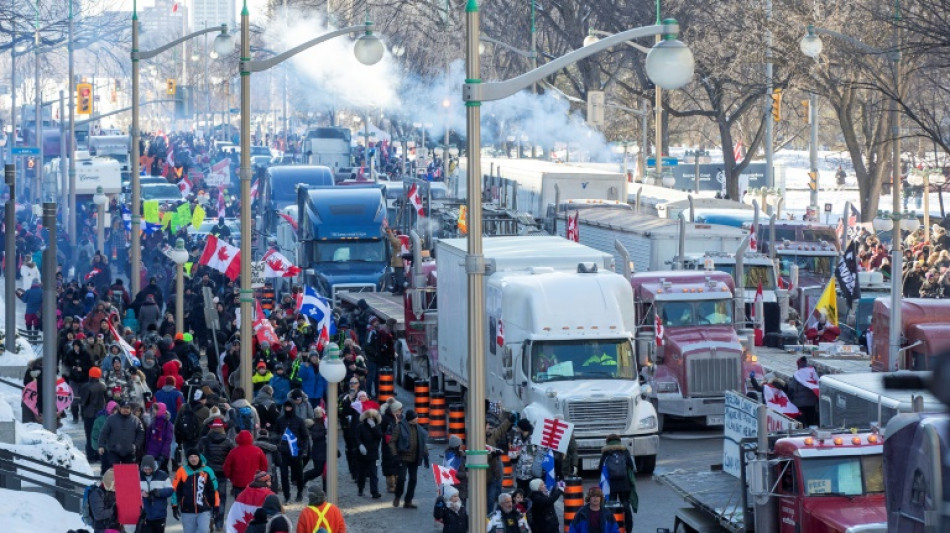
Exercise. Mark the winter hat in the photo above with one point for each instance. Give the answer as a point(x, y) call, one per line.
point(318, 412)
point(454, 441)
point(525, 425)
point(279, 524)
point(594, 491)
point(802, 362)
point(111, 407)
point(261, 364)
point(187, 337)
point(192, 451)
point(315, 494)
point(267, 389)
point(410, 415)
point(271, 505)
point(148, 462)
point(535, 484)
point(170, 380)
point(613, 438)
point(108, 480)
point(395, 406)
point(448, 491)
point(179, 336)
point(95, 372)
point(261, 479)
point(216, 423)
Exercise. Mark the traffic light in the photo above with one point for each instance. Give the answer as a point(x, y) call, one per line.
point(184, 104)
point(170, 87)
point(813, 180)
point(83, 98)
point(31, 163)
point(777, 104)
point(807, 105)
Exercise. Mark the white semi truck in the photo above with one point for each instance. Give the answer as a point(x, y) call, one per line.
point(559, 339)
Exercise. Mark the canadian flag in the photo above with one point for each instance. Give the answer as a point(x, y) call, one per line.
point(777, 401)
point(278, 266)
point(242, 510)
point(222, 257)
point(254, 188)
point(444, 475)
point(185, 186)
point(263, 329)
point(659, 330)
point(572, 233)
point(221, 200)
point(758, 321)
point(500, 334)
point(416, 200)
point(808, 377)
point(753, 242)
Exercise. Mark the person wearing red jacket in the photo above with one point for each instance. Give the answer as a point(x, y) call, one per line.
point(171, 369)
point(823, 331)
point(243, 462)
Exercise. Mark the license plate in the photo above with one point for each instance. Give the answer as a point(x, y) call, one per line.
point(590, 464)
point(715, 420)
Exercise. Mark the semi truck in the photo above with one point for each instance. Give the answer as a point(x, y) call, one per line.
point(925, 334)
point(342, 246)
point(331, 147)
point(915, 472)
point(117, 147)
point(860, 399)
point(818, 482)
point(559, 330)
point(687, 343)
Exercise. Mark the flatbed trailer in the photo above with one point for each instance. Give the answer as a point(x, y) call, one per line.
point(381, 304)
point(783, 363)
point(711, 493)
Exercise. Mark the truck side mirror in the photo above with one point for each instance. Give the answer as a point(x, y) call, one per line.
point(759, 478)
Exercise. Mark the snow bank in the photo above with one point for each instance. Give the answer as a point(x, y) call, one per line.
point(24, 352)
point(31, 512)
point(34, 441)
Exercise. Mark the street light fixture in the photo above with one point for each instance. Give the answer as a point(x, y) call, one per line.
point(909, 222)
point(179, 256)
point(333, 370)
point(100, 199)
point(368, 50)
point(670, 68)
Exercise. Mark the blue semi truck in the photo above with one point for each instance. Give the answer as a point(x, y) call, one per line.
point(342, 243)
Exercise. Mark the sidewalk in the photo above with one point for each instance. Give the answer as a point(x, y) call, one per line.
point(13, 365)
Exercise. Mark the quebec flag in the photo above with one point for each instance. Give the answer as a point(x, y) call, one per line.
point(126, 217)
point(605, 482)
point(547, 464)
point(291, 440)
point(318, 308)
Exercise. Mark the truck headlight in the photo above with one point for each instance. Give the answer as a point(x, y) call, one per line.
point(666, 386)
point(647, 423)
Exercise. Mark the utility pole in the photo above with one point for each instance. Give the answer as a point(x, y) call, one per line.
point(769, 123)
point(72, 135)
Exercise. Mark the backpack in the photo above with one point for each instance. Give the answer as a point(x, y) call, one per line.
point(616, 464)
point(244, 419)
point(187, 429)
point(85, 510)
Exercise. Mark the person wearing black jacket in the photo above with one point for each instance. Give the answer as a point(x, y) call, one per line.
point(318, 447)
point(102, 504)
point(293, 441)
point(215, 447)
point(369, 436)
point(77, 363)
point(543, 514)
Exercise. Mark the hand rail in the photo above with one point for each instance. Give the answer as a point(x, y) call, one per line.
point(67, 491)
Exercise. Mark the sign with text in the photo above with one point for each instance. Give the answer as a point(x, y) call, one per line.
point(257, 274)
point(742, 423)
point(712, 177)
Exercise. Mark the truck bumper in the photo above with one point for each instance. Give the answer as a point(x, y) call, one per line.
point(712, 409)
point(588, 449)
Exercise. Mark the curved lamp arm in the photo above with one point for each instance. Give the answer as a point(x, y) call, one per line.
point(139, 55)
point(249, 66)
point(850, 40)
point(485, 92)
point(520, 52)
point(640, 47)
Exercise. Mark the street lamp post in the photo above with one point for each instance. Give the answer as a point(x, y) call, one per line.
point(669, 64)
point(811, 46)
point(179, 256)
point(333, 370)
point(368, 50)
point(223, 44)
point(100, 199)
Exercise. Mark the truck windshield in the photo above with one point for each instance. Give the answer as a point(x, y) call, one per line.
point(696, 313)
point(754, 274)
point(369, 251)
point(819, 265)
point(843, 476)
point(582, 359)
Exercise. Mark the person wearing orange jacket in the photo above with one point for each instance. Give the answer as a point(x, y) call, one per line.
point(320, 513)
point(195, 499)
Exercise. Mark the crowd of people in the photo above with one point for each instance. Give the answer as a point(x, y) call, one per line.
point(926, 260)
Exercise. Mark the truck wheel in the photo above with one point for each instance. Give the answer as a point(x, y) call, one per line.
point(646, 464)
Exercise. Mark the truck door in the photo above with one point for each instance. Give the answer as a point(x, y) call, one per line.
point(789, 500)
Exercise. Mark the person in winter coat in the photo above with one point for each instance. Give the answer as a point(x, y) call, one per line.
point(392, 413)
point(252, 496)
point(117, 379)
point(801, 392)
point(195, 499)
point(318, 447)
point(269, 508)
point(29, 273)
point(158, 437)
point(823, 330)
point(455, 459)
point(543, 514)
point(170, 396)
point(507, 519)
point(243, 461)
point(32, 296)
point(101, 416)
point(292, 439)
point(526, 454)
point(92, 401)
point(149, 314)
point(301, 405)
point(262, 376)
point(409, 446)
point(496, 432)
point(593, 517)
point(279, 382)
point(280, 523)
point(621, 476)
point(215, 447)
point(76, 363)
point(243, 415)
point(267, 408)
point(450, 510)
point(320, 513)
point(121, 436)
point(370, 435)
point(170, 369)
point(139, 391)
point(151, 370)
point(156, 490)
point(102, 504)
point(311, 382)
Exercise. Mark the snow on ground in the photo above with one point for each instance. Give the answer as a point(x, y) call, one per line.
point(34, 441)
point(31, 512)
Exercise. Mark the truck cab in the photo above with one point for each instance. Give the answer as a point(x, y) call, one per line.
point(687, 343)
point(925, 334)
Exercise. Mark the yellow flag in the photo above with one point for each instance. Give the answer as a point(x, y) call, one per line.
point(198, 216)
point(150, 211)
point(463, 220)
point(166, 220)
point(828, 304)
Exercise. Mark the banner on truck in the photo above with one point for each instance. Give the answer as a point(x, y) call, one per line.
point(741, 422)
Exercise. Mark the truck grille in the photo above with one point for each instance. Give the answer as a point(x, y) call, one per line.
point(710, 374)
point(600, 417)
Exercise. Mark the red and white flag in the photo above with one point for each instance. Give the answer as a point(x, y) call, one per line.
point(263, 329)
point(572, 233)
point(808, 377)
point(278, 266)
point(416, 200)
point(222, 257)
point(444, 475)
point(777, 401)
point(758, 322)
point(555, 434)
point(185, 186)
point(500, 334)
point(659, 330)
point(254, 188)
point(290, 220)
point(127, 348)
point(753, 240)
point(242, 510)
point(737, 152)
point(221, 201)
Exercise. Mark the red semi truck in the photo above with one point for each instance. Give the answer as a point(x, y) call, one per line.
point(925, 333)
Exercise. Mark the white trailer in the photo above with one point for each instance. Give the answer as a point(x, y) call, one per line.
point(558, 339)
point(858, 399)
